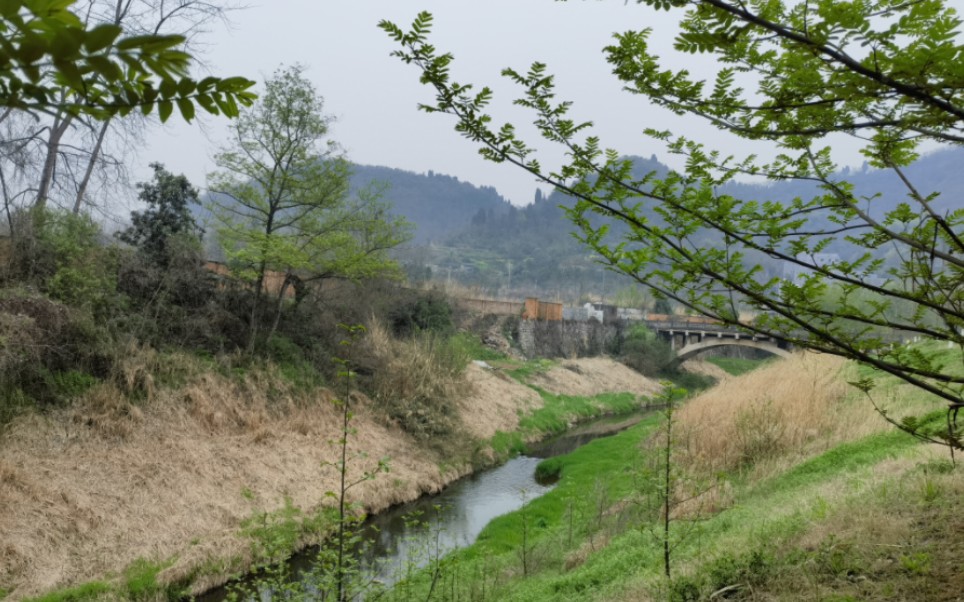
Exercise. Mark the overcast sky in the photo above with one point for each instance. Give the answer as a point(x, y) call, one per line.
point(374, 96)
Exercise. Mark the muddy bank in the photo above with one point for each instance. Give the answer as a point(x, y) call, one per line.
point(86, 492)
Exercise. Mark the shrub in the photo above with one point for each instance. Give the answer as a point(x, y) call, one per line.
point(61, 253)
point(646, 353)
point(50, 353)
point(429, 312)
point(416, 381)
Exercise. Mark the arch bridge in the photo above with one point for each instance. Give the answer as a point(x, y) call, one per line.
point(688, 338)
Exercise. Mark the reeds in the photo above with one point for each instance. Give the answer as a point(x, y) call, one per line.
point(786, 409)
point(417, 381)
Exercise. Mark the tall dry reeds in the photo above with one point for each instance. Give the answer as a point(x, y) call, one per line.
point(417, 381)
point(785, 410)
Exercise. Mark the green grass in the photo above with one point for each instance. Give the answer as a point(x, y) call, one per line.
point(81, 593)
point(523, 371)
point(741, 545)
point(600, 466)
point(557, 413)
point(736, 365)
point(472, 347)
point(138, 583)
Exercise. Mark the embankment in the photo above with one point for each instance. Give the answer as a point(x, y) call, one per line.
point(89, 491)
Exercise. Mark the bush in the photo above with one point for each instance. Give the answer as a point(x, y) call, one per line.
point(62, 254)
point(416, 381)
point(646, 353)
point(50, 353)
point(429, 312)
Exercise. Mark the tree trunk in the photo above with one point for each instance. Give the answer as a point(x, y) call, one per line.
point(94, 155)
point(280, 303)
point(57, 132)
point(255, 306)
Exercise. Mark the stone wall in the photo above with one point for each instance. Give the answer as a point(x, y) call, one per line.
point(567, 338)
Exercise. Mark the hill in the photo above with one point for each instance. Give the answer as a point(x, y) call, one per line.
point(530, 249)
point(439, 205)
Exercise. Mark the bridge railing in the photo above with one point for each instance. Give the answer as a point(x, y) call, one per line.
point(683, 325)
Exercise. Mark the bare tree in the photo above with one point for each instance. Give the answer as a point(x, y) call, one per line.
point(64, 159)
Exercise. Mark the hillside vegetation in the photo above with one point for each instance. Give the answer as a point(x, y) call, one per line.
point(784, 486)
point(219, 464)
point(528, 249)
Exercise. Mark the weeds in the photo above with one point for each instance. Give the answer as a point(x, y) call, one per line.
point(416, 381)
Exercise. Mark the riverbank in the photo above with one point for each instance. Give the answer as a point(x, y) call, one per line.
point(105, 494)
point(784, 485)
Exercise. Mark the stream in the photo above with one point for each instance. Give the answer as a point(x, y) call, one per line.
point(454, 517)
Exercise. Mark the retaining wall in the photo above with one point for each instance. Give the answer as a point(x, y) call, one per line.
point(567, 338)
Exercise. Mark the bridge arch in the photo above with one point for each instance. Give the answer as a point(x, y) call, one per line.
point(692, 349)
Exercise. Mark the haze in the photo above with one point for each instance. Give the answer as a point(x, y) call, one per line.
point(374, 96)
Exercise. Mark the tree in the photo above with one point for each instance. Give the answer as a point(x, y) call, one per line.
point(50, 60)
point(283, 201)
point(62, 74)
point(168, 215)
point(797, 75)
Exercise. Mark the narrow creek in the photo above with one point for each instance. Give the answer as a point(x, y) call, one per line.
point(454, 517)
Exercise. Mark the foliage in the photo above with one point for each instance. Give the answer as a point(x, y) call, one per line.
point(52, 60)
point(91, 590)
point(793, 75)
point(429, 312)
point(645, 352)
point(336, 572)
point(735, 365)
point(417, 382)
point(168, 215)
point(61, 252)
point(282, 198)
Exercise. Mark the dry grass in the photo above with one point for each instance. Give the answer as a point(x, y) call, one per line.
point(778, 413)
point(592, 376)
point(496, 402)
point(700, 366)
point(85, 492)
point(416, 382)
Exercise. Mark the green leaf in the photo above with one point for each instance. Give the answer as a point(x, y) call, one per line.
point(186, 86)
point(149, 43)
point(101, 37)
point(9, 8)
point(32, 47)
point(168, 88)
point(107, 68)
point(69, 72)
point(187, 108)
point(164, 110)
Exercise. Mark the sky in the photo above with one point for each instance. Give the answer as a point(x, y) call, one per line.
point(374, 97)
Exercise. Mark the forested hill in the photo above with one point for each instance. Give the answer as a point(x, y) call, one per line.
point(481, 239)
point(438, 205)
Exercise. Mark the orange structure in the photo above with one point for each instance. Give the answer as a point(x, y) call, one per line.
point(542, 310)
point(273, 281)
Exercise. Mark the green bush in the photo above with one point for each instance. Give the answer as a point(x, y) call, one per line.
point(646, 353)
point(49, 354)
point(428, 312)
point(61, 253)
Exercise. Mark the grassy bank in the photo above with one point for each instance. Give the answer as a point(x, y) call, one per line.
point(832, 505)
point(225, 461)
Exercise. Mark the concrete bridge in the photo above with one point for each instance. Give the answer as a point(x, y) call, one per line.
point(688, 338)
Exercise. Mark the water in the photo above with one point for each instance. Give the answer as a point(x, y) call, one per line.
point(455, 517)
point(452, 519)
